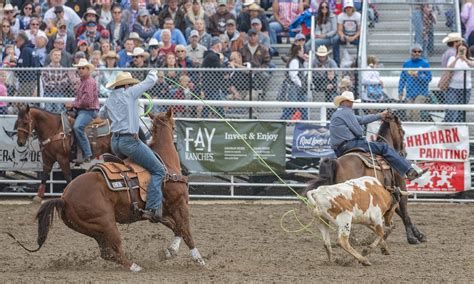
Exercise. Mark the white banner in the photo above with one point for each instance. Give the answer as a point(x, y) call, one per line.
point(14, 157)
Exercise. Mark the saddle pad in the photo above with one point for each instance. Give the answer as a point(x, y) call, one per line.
point(114, 174)
point(101, 129)
point(367, 159)
point(66, 123)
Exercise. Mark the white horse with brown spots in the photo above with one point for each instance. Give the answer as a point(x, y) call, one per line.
point(363, 201)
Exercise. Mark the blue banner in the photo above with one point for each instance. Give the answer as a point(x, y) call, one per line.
point(311, 141)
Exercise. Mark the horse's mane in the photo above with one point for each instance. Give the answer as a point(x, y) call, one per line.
point(384, 129)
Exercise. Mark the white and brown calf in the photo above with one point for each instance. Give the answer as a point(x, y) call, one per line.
point(363, 201)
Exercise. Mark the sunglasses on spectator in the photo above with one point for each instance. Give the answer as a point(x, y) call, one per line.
point(8, 12)
point(324, 7)
point(62, 27)
point(179, 50)
point(34, 24)
point(28, 8)
point(416, 51)
point(80, 68)
point(154, 46)
point(6, 26)
point(117, 12)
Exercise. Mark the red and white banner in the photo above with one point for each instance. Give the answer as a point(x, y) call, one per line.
point(443, 149)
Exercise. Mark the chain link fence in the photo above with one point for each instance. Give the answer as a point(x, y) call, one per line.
point(303, 85)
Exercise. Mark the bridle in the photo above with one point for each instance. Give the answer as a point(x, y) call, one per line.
point(27, 131)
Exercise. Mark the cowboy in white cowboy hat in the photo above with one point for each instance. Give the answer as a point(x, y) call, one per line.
point(139, 58)
point(453, 41)
point(86, 104)
point(122, 109)
point(346, 133)
point(322, 51)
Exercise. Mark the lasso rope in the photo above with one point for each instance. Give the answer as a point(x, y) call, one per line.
point(261, 160)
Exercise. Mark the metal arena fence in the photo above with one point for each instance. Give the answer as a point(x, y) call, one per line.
point(387, 85)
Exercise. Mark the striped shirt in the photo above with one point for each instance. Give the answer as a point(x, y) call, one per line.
point(87, 96)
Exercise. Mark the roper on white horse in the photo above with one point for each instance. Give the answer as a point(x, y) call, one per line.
point(364, 201)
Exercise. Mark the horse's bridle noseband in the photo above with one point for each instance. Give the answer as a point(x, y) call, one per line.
point(28, 132)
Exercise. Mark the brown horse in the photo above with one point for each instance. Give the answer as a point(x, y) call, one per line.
point(347, 167)
point(89, 207)
point(55, 144)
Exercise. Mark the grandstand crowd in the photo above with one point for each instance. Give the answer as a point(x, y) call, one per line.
point(191, 34)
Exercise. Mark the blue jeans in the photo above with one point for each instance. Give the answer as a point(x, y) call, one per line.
point(383, 149)
point(295, 94)
point(455, 97)
point(83, 118)
point(138, 152)
point(336, 49)
point(275, 28)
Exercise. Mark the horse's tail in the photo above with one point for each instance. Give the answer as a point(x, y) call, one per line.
point(45, 217)
point(327, 175)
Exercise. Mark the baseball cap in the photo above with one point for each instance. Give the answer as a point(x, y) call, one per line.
point(299, 36)
point(230, 22)
point(215, 40)
point(194, 33)
point(252, 32)
point(255, 21)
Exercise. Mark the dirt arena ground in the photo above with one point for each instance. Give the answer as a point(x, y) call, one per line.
point(241, 243)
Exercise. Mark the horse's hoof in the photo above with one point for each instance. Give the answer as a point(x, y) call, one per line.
point(135, 267)
point(201, 262)
point(37, 199)
point(365, 262)
point(413, 241)
point(422, 238)
point(385, 251)
point(170, 253)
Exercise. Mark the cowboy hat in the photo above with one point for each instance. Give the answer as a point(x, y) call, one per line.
point(322, 51)
point(138, 51)
point(254, 7)
point(135, 36)
point(122, 79)
point(110, 54)
point(452, 37)
point(8, 7)
point(345, 96)
point(84, 63)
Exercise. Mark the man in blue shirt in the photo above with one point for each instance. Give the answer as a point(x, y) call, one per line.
point(122, 109)
point(415, 82)
point(346, 133)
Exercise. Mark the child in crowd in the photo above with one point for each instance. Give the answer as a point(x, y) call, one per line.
point(3, 92)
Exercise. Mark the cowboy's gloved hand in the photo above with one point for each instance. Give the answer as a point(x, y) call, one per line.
point(154, 72)
point(384, 114)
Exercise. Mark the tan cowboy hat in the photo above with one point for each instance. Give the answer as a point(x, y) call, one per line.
point(322, 51)
point(137, 51)
point(254, 7)
point(84, 63)
point(8, 7)
point(345, 82)
point(110, 54)
point(452, 37)
point(122, 79)
point(345, 96)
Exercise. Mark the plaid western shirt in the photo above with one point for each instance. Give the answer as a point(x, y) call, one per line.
point(87, 96)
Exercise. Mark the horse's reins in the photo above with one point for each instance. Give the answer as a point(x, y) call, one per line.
point(56, 137)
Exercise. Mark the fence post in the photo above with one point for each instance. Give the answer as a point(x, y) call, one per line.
point(250, 90)
point(38, 83)
point(464, 90)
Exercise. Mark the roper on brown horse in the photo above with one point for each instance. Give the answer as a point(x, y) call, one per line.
point(89, 207)
point(351, 165)
point(55, 142)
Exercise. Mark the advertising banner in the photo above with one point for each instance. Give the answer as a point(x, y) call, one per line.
point(443, 149)
point(311, 141)
point(14, 157)
point(208, 147)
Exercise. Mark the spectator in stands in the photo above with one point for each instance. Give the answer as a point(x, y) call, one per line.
point(459, 92)
point(68, 39)
point(225, 47)
point(143, 26)
point(194, 49)
point(105, 12)
point(34, 30)
point(372, 83)
point(3, 92)
point(195, 13)
point(325, 32)
point(26, 59)
point(324, 81)
point(89, 16)
point(204, 37)
point(155, 59)
point(184, 93)
point(109, 74)
point(217, 22)
point(295, 80)
point(177, 36)
point(117, 27)
point(415, 82)
point(452, 40)
point(82, 46)
point(86, 103)
point(238, 81)
point(171, 11)
point(124, 58)
point(40, 48)
point(154, 7)
point(236, 38)
point(284, 13)
point(105, 47)
point(79, 6)
point(210, 7)
point(244, 21)
point(91, 36)
point(130, 14)
point(140, 58)
point(9, 60)
point(263, 38)
point(348, 28)
point(258, 57)
point(7, 36)
point(168, 46)
point(213, 91)
point(55, 82)
point(9, 15)
point(96, 60)
point(26, 14)
point(467, 18)
point(422, 22)
point(182, 60)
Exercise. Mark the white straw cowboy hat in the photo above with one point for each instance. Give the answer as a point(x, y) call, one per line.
point(452, 37)
point(345, 96)
point(84, 63)
point(138, 51)
point(322, 51)
point(122, 79)
point(110, 54)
